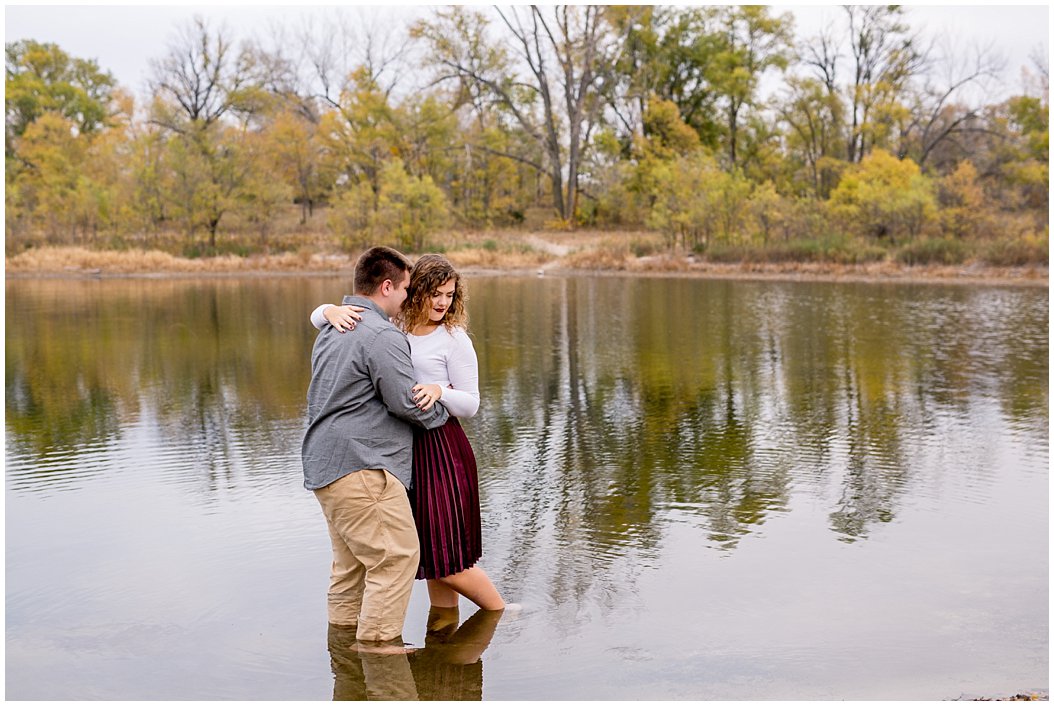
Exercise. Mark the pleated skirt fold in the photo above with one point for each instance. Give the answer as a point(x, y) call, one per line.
point(445, 500)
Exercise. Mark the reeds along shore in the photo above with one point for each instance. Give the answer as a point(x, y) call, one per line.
point(531, 253)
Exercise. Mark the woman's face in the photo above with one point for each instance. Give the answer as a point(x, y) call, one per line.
point(441, 299)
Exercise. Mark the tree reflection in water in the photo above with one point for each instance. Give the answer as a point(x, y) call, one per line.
point(616, 402)
point(611, 407)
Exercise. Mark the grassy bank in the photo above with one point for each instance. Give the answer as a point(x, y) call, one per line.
point(557, 252)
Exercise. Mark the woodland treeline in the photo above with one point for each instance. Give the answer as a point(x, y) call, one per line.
point(711, 125)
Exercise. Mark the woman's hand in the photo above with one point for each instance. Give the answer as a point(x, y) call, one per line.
point(426, 395)
point(342, 317)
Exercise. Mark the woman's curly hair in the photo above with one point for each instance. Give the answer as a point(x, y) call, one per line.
point(429, 273)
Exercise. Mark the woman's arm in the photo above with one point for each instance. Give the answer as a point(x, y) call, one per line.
point(462, 398)
point(340, 317)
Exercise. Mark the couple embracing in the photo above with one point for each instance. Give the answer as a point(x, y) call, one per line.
point(391, 370)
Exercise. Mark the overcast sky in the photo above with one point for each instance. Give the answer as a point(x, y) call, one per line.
point(123, 38)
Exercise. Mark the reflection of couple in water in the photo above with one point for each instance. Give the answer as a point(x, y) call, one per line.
point(447, 669)
point(391, 371)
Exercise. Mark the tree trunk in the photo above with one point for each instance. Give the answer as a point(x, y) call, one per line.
point(558, 191)
point(732, 130)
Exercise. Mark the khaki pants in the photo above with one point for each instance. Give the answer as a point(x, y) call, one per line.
point(375, 552)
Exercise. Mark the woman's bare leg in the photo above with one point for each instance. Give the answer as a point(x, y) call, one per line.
point(473, 584)
point(440, 595)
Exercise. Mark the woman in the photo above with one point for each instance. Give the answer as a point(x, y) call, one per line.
point(445, 492)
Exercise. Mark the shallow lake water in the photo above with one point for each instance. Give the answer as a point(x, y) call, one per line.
point(698, 490)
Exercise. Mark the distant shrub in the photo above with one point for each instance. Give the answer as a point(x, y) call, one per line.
point(559, 225)
point(933, 251)
point(884, 197)
point(696, 203)
point(1017, 252)
point(840, 251)
point(403, 213)
point(962, 202)
point(831, 250)
point(643, 248)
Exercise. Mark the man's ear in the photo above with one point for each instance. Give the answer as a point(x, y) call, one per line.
point(386, 287)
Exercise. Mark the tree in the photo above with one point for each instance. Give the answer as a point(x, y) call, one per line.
point(569, 57)
point(813, 115)
point(63, 190)
point(403, 212)
point(296, 148)
point(1027, 154)
point(344, 49)
point(696, 202)
point(198, 82)
point(362, 134)
point(962, 201)
point(198, 85)
point(885, 57)
point(43, 78)
point(666, 138)
point(753, 42)
point(669, 54)
point(885, 197)
point(940, 110)
point(61, 158)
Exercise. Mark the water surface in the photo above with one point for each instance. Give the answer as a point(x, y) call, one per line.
point(700, 490)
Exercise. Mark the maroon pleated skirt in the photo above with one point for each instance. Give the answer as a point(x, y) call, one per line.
point(445, 500)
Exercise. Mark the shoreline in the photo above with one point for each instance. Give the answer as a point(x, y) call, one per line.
point(785, 272)
point(583, 255)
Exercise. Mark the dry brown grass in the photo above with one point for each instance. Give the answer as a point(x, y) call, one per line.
point(618, 250)
point(584, 251)
point(607, 258)
point(495, 260)
point(492, 250)
point(73, 260)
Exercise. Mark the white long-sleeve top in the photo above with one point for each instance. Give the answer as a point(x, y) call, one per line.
point(443, 357)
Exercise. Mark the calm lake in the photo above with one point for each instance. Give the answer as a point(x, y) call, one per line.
point(698, 490)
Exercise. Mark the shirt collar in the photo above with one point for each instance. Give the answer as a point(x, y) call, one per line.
point(359, 300)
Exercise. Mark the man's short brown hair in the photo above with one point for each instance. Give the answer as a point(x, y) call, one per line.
point(376, 265)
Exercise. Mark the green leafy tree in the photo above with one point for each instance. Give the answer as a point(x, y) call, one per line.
point(813, 117)
point(669, 55)
point(697, 203)
point(666, 138)
point(1028, 168)
point(885, 197)
point(67, 186)
point(51, 187)
point(753, 42)
point(410, 207)
point(362, 135)
point(57, 106)
point(42, 78)
point(404, 211)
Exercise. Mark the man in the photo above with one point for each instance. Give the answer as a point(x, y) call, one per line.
point(357, 453)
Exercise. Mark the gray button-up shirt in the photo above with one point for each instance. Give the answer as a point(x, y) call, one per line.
point(359, 403)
